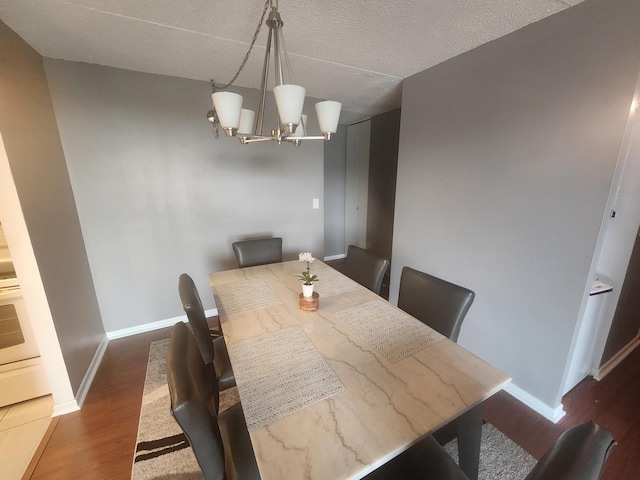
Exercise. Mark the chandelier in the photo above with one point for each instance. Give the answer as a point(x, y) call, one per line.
point(247, 125)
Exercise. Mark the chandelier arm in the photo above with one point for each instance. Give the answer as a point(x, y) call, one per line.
point(255, 139)
point(306, 137)
point(277, 53)
point(274, 22)
point(263, 85)
point(277, 67)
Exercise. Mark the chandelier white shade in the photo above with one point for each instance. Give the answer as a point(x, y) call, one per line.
point(247, 121)
point(328, 116)
point(247, 124)
point(228, 105)
point(302, 127)
point(290, 102)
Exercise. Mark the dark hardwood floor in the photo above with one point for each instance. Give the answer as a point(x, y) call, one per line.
point(98, 441)
point(612, 403)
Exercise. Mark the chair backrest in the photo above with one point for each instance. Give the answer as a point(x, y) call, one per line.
point(258, 252)
point(578, 454)
point(365, 268)
point(192, 306)
point(193, 401)
point(435, 302)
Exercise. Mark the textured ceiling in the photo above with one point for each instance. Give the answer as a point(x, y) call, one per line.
point(356, 52)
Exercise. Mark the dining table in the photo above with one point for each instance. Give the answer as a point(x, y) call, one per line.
point(336, 392)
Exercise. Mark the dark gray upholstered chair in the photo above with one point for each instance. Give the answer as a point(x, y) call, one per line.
point(214, 351)
point(578, 454)
point(258, 252)
point(435, 302)
point(442, 306)
point(364, 267)
point(220, 442)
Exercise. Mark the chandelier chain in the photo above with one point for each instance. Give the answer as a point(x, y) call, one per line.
point(246, 57)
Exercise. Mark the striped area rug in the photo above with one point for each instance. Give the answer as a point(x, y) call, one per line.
point(163, 453)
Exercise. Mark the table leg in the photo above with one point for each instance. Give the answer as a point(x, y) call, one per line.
point(469, 427)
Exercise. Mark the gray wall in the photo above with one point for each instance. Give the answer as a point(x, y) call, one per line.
point(157, 195)
point(32, 142)
point(335, 166)
point(383, 169)
point(506, 159)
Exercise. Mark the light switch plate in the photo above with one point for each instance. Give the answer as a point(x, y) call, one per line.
point(316, 203)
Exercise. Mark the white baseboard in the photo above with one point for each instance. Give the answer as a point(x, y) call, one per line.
point(552, 414)
point(81, 395)
point(64, 408)
point(614, 361)
point(148, 327)
point(334, 257)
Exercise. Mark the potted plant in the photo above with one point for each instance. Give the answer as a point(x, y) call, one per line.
point(307, 278)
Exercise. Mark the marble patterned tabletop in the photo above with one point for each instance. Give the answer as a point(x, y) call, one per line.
point(336, 393)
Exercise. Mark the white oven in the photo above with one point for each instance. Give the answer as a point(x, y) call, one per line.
point(16, 336)
point(22, 374)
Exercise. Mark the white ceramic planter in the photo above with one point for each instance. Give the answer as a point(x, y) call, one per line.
point(307, 290)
